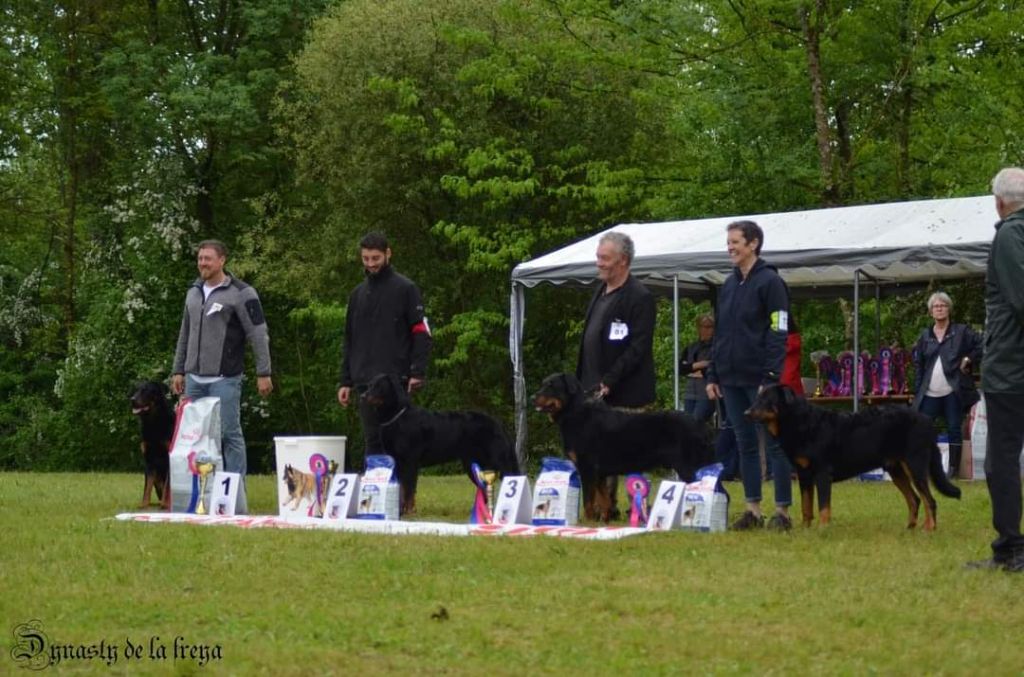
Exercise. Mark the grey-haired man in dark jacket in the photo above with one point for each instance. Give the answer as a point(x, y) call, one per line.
point(1002, 371)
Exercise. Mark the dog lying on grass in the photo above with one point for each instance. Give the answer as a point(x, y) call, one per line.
point(416, 437)
point(826, 446)
point(602, 441)
point(156, 422)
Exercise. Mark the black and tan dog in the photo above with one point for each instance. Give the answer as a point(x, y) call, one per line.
point(156, 421)
point(826, 446)
point(300, 485)
point(602, 441)
point(416, 437)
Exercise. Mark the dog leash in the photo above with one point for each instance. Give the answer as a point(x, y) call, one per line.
point(393, 418)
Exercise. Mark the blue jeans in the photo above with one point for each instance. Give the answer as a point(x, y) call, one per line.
point(737, 400)
point(948, 408)
point(232, 442)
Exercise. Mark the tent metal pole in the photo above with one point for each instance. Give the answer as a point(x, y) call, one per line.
point(856, 338)
point(518, 318)
point(878, 317)
point(675, 339)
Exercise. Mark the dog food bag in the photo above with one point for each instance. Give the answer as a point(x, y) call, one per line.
point(195, 454)
point(556, 496)
point(378, 490)
point(705, 502)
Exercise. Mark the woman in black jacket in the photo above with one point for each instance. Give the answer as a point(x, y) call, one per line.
point(944, 357)
point(696, 358)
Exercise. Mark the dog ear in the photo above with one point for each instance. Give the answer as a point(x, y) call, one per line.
point(788, 396)
point(572, 386)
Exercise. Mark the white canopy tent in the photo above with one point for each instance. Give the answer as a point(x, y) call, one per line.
point(822, 252)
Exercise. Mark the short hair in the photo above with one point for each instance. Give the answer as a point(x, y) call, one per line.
point(216, 245)
point(750, 231)
point(623, 242)
point(941, 296)
point(375, 240)
point(704, 319)
point(1008, 184)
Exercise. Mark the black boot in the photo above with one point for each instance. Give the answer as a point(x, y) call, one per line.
point(955, 451)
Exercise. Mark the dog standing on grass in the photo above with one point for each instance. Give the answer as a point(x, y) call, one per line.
point(417, 437)
point(602, 441)
point(826, 446)
point(156, 421)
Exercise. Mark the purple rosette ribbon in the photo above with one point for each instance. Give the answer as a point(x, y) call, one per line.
point(480, 514)
point(318, 466)
point(638, 489)
point(846, 370)
point(885, 360)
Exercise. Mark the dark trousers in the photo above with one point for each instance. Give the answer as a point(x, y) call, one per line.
point(371, 427)
point(1002, 470)
point(948, 408)
point(702, 410)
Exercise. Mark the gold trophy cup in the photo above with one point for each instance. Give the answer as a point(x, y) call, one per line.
point(489, 478)
point(204, 468)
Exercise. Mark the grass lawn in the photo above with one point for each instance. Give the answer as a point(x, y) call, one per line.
point(863, 595)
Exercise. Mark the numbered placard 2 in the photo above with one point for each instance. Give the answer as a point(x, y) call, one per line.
point(668, 502)
point(513, 503)
point(341, 499)
point(224, 493)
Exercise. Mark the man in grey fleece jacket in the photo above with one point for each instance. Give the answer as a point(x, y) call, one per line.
point(221, 314)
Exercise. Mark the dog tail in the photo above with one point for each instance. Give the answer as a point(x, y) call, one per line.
point(939, 479)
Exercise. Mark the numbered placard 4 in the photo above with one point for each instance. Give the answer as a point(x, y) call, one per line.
point(341, 499)
point(513, 503)
point(224, 494)
point(668, 502)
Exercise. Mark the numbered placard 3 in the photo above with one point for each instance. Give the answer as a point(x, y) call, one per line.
point(341, 499)
point(513, 503)
point(224, 493)
point(668, 502)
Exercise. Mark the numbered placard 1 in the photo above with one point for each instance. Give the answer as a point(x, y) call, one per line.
point(224, 494)
point(513, 503)
point(341, 499)
point(668, 502)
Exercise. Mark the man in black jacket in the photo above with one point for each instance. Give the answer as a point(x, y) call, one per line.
point(385, 333)
point(616, 355)
point(1002, 372)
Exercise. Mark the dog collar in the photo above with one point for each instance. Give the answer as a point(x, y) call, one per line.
point(393, 418)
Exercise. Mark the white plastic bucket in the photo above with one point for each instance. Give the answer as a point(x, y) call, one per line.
point(304, 472)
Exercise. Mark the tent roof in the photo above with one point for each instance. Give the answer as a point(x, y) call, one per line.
point(816, 251)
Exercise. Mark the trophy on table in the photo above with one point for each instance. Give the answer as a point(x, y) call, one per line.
point(204, 468)
point(822, 365)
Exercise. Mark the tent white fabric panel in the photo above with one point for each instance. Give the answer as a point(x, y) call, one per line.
point(902, 242)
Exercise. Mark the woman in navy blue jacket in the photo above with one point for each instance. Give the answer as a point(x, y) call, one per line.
point(752, 325)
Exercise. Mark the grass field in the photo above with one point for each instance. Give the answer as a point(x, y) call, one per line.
point(860, 596)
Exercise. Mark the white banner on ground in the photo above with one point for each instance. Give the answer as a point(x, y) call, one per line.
point(387, 526)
